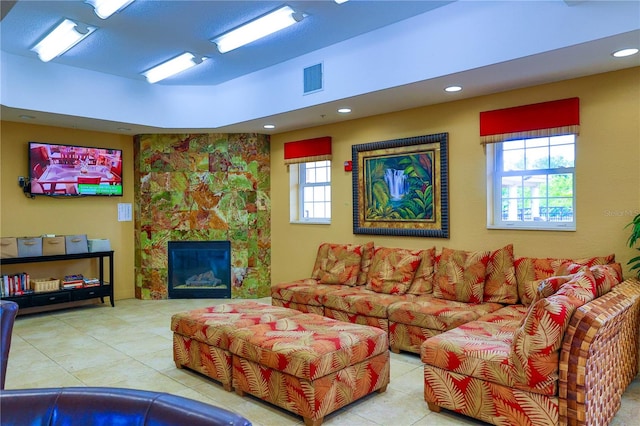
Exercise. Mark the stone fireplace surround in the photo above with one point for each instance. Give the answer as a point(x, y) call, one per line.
point(203, 187)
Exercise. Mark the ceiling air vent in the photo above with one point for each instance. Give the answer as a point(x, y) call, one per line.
point(313, 78)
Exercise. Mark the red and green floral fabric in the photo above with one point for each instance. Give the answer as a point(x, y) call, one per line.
point(365, 264)
point(530, 270)
point(460, 275)
point(304, 292)
point(606, 276)
point(381, 323)
point(311, 309)
point(308, 346)
point(338, 264)
point(363, 301)
point(309, 364)
point(500, 284)
point(423, 279)
point(201, 336)
point(488, 401)
point(536, 344)
point(438, 314)
point(312, 400)
point(213, 324)
point(504, 354)
point(510, 314)
point(392, 270)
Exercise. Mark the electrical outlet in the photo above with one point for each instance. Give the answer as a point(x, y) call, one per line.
point(21, 181)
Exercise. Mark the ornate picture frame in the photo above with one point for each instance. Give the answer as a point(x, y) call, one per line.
point(401, 188)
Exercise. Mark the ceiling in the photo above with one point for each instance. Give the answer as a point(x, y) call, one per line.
point(377, 57)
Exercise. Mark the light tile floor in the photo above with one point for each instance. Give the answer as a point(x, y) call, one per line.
point(130, 346)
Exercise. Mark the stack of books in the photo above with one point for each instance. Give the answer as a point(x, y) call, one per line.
point(91, 282)
point(72, 282)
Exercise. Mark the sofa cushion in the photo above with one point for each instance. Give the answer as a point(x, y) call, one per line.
point(581, 279)
point(606, 276)
point(338, 264)
point(438, 314)
point(460, 275)
point(306, 292)
point(361, 301)
point(365, 264)
point(500, 282)
point(530, 271)
point(477, 349)
point(508, 315)
point(392, 270)
point(536, 343)
point(423, 279)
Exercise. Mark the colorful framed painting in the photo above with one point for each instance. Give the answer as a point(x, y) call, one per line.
point(400, 187)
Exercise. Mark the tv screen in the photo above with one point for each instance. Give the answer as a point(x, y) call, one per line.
point(71, 170)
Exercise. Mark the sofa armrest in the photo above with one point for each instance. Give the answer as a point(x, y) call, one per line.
point(599, 356)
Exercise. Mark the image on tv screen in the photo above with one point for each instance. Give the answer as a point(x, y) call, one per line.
point(74, 170)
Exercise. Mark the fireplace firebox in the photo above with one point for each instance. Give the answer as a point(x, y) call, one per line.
point(199, 269)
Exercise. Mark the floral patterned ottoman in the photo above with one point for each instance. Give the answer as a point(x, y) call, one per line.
point(309, 364)
point(201, 336)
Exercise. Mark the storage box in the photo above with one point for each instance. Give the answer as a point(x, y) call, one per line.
point(53, 246)
point(29, 246)
point(8, 247)
point(76, 244)
point(42, 285)
point(102, 244)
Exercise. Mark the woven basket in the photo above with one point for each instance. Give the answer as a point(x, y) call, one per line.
point(42, 285)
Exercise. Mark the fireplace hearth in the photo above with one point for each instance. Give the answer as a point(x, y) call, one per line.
point(199, 269)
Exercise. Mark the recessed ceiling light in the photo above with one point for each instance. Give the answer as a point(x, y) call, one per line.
point(624, 52)
point(453, 89)
point(269, 126)
point(344, 110)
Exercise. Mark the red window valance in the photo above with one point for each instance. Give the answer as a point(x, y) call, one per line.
point(316, 149)
point(552, 118)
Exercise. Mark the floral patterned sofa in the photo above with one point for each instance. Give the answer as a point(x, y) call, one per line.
point(504, 339)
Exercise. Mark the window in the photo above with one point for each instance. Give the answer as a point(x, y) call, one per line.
point(311, 192)
point(531, 183)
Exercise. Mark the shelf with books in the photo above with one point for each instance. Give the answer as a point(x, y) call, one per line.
point(29, 292)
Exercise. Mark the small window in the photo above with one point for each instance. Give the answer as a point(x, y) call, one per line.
point(311, 192)
point(531, 183)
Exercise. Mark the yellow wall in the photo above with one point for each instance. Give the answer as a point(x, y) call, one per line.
point(97, 217)
point(607, 179)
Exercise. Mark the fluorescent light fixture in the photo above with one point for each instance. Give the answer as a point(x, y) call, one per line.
point(172, 67)
point(341, 1)
point(453, 89)
point(344, 110)
point(269, 126)
point(256, 29)
point(625, 52)
point(106, 8)
point(60, 39)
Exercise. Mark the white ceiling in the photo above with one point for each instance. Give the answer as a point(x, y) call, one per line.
point(378, 57)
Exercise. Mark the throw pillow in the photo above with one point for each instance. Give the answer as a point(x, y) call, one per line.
point(460, 275)
point(607, 276)
point(338, 264)
point(500, 282)
point(423, 280)
point(365, 263)
point(392, 270)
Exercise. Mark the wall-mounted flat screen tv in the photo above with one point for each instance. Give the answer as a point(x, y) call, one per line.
point(72, 170)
